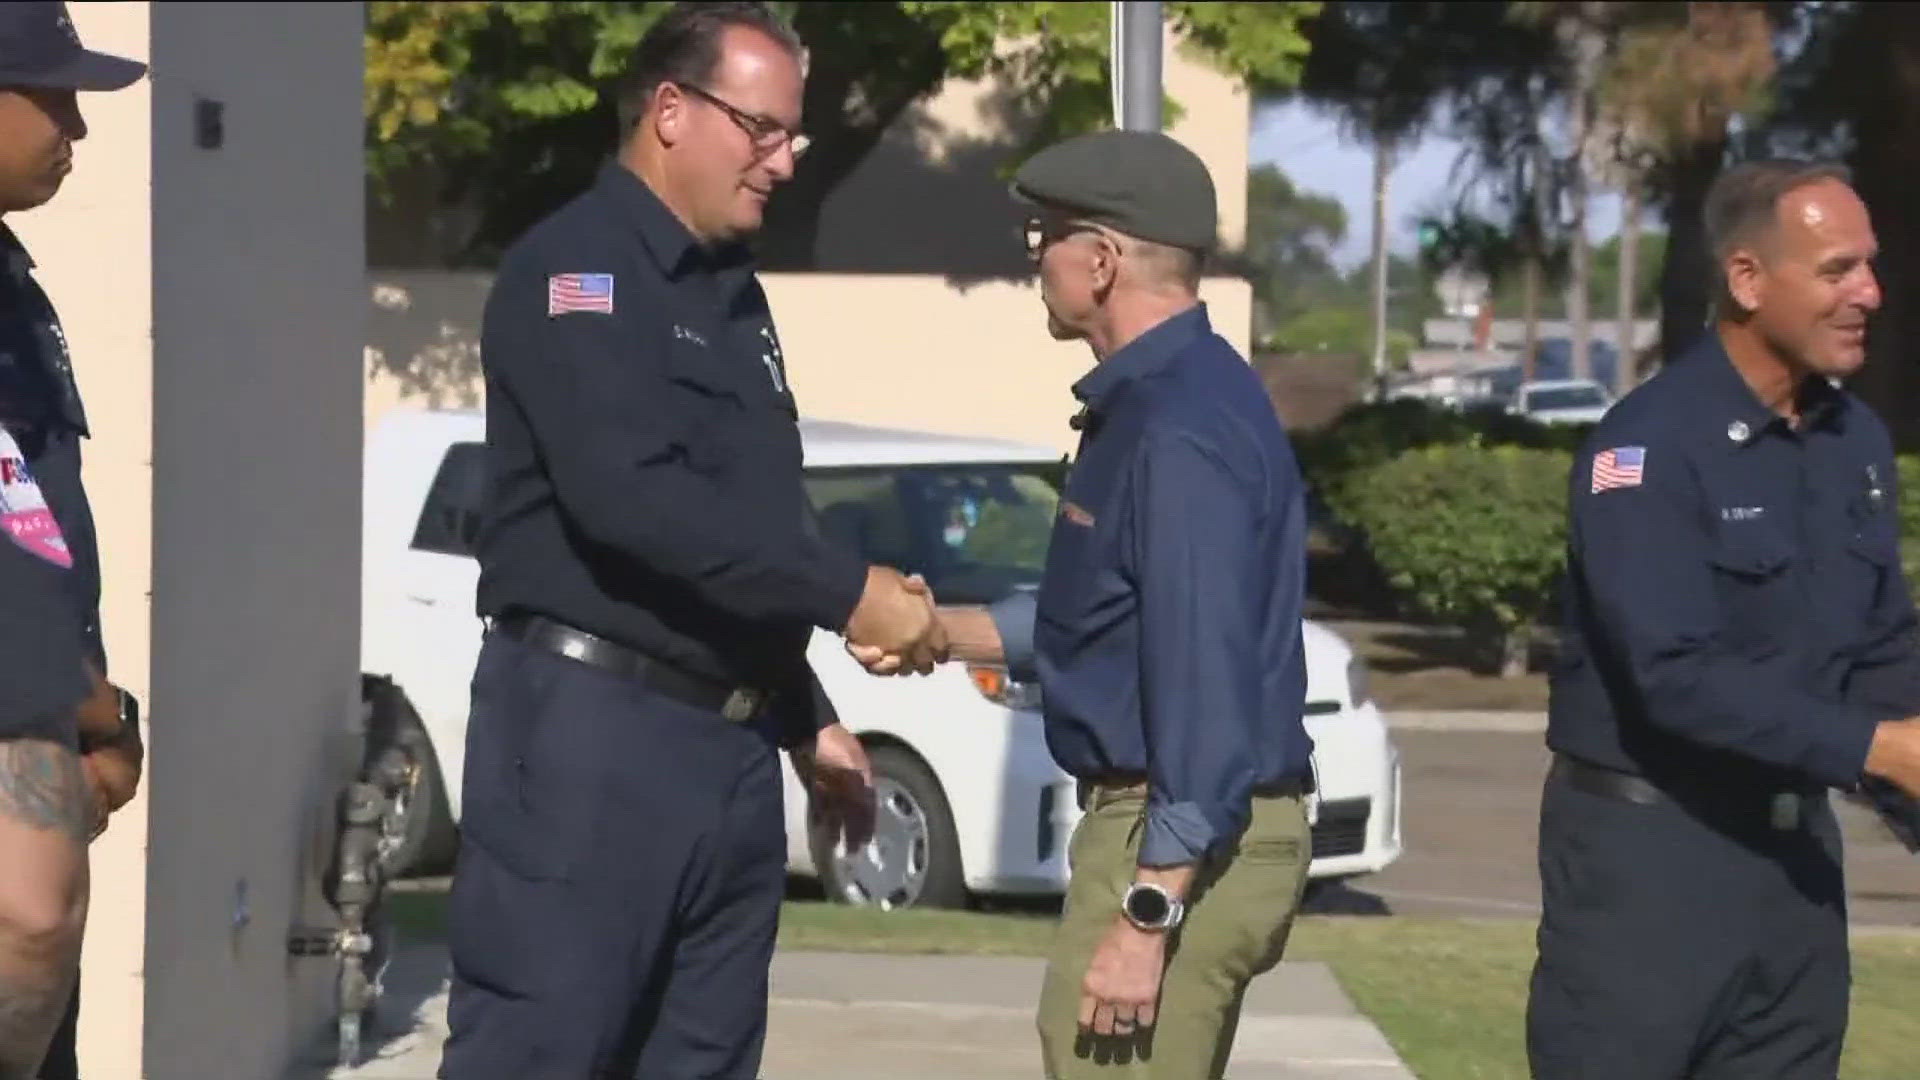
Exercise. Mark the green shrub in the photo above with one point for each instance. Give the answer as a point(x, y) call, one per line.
point(1908, 466)
point(1473, 535)
point(1373, 433)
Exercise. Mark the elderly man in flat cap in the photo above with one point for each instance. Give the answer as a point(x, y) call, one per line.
point(1166, 639)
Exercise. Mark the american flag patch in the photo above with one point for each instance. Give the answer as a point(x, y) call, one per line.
point(1619, 467)
point(579, 292)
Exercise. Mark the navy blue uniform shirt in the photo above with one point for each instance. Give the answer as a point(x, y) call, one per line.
point(1736, 612)
point(56, 588)
point(1167, 633)
point(644, 455)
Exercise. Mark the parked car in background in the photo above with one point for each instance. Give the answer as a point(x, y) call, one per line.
point(970, 801)
point(1562, 401)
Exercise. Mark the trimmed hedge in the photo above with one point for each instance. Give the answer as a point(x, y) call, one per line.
point(1473, 535)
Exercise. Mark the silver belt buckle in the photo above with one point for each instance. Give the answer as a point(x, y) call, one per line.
point(1785, 812)
point(741, 705)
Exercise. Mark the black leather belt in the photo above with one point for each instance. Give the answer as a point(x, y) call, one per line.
point(735, 703)
point(1784, 809)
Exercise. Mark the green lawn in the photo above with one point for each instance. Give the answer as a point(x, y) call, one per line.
point(1449, 994)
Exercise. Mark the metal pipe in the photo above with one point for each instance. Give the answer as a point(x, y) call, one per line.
point(1136, 63)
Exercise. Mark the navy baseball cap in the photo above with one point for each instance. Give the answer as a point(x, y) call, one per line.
point(40, 47)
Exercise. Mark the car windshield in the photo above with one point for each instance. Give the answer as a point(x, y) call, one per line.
point(1566, 397)
point(976, 532)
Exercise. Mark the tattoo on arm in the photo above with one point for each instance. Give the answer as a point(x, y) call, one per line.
point(41, 786)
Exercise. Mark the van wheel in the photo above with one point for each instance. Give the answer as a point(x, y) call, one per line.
point(914, 859)
point(429, 839)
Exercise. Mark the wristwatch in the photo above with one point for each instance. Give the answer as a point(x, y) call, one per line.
point(1151, 907)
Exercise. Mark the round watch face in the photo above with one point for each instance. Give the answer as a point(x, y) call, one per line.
point(1147, 906)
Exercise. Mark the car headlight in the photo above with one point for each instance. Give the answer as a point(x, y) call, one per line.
point(1358, 691)
point(997, 686)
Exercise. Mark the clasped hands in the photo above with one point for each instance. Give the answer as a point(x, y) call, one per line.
point(111, 754)
point(895, 628)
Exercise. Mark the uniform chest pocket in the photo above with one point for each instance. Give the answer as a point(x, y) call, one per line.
point(1871, 565)
point(1063, 588)
point(1752, 565)
point(705, 404)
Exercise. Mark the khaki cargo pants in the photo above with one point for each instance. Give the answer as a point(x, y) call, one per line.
point(1240, 910)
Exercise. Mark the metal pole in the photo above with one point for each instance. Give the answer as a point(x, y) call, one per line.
point(1137, 63)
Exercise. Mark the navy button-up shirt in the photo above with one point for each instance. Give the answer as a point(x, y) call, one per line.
point(1736, 612)
point(644, 456)
point(1167, 635)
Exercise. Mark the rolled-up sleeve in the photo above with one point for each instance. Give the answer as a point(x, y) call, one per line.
point(1194, 551)
point(1642, 553)
point(599, 406)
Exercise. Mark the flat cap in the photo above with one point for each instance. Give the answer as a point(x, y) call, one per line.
point(1142, 183)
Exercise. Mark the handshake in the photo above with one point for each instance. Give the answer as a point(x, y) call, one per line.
point(895, 628)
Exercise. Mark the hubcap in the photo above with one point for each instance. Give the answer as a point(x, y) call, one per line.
point(892, 869)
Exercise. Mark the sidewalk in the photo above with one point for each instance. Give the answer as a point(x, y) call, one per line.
point(846, 1016)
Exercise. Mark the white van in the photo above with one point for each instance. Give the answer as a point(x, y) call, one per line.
point(970, 799)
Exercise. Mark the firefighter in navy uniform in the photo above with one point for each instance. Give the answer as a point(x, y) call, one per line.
point(651, 575)
point(1738, 642)
point(42, 65)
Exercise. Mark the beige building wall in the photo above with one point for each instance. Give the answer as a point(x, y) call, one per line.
point(210, 296)
point(902, 350)
point(922, 312)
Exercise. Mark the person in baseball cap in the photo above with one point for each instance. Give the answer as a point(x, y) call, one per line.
point(81, 771)
point(42, 65)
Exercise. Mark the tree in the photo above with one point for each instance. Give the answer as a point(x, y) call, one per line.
point(1288, 258)
point(1387, 72)
point(1681, 76)
point(505, 109)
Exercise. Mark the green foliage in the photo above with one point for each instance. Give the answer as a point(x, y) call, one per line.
point(1474, 535)
point(511, 103)
point(1373, 434)
point(1908, 467)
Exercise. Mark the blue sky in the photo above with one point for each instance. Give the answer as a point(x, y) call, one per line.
point(1310, 150)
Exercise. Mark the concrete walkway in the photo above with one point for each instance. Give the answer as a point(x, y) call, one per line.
point(842, 1016)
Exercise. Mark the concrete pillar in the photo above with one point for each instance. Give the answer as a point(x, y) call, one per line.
point(206, 258)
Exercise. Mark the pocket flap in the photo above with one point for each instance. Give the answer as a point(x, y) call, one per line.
point(1751, 548)
point(1876, 541)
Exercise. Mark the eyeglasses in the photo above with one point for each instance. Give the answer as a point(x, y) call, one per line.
point(764, 132)
point(1039, 232)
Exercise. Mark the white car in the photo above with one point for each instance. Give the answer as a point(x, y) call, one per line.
point(1562, 401)
point(970, 799)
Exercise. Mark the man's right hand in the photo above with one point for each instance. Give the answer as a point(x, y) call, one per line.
point(1894, 755)
point(99, 718)
point(895, 617)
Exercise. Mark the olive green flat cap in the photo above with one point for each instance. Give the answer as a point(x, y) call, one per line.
point(1141, 183)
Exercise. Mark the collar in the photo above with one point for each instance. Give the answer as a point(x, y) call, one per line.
point(1822, 403)
point(675, 249)
point(18, 262)
point(1141, 357)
